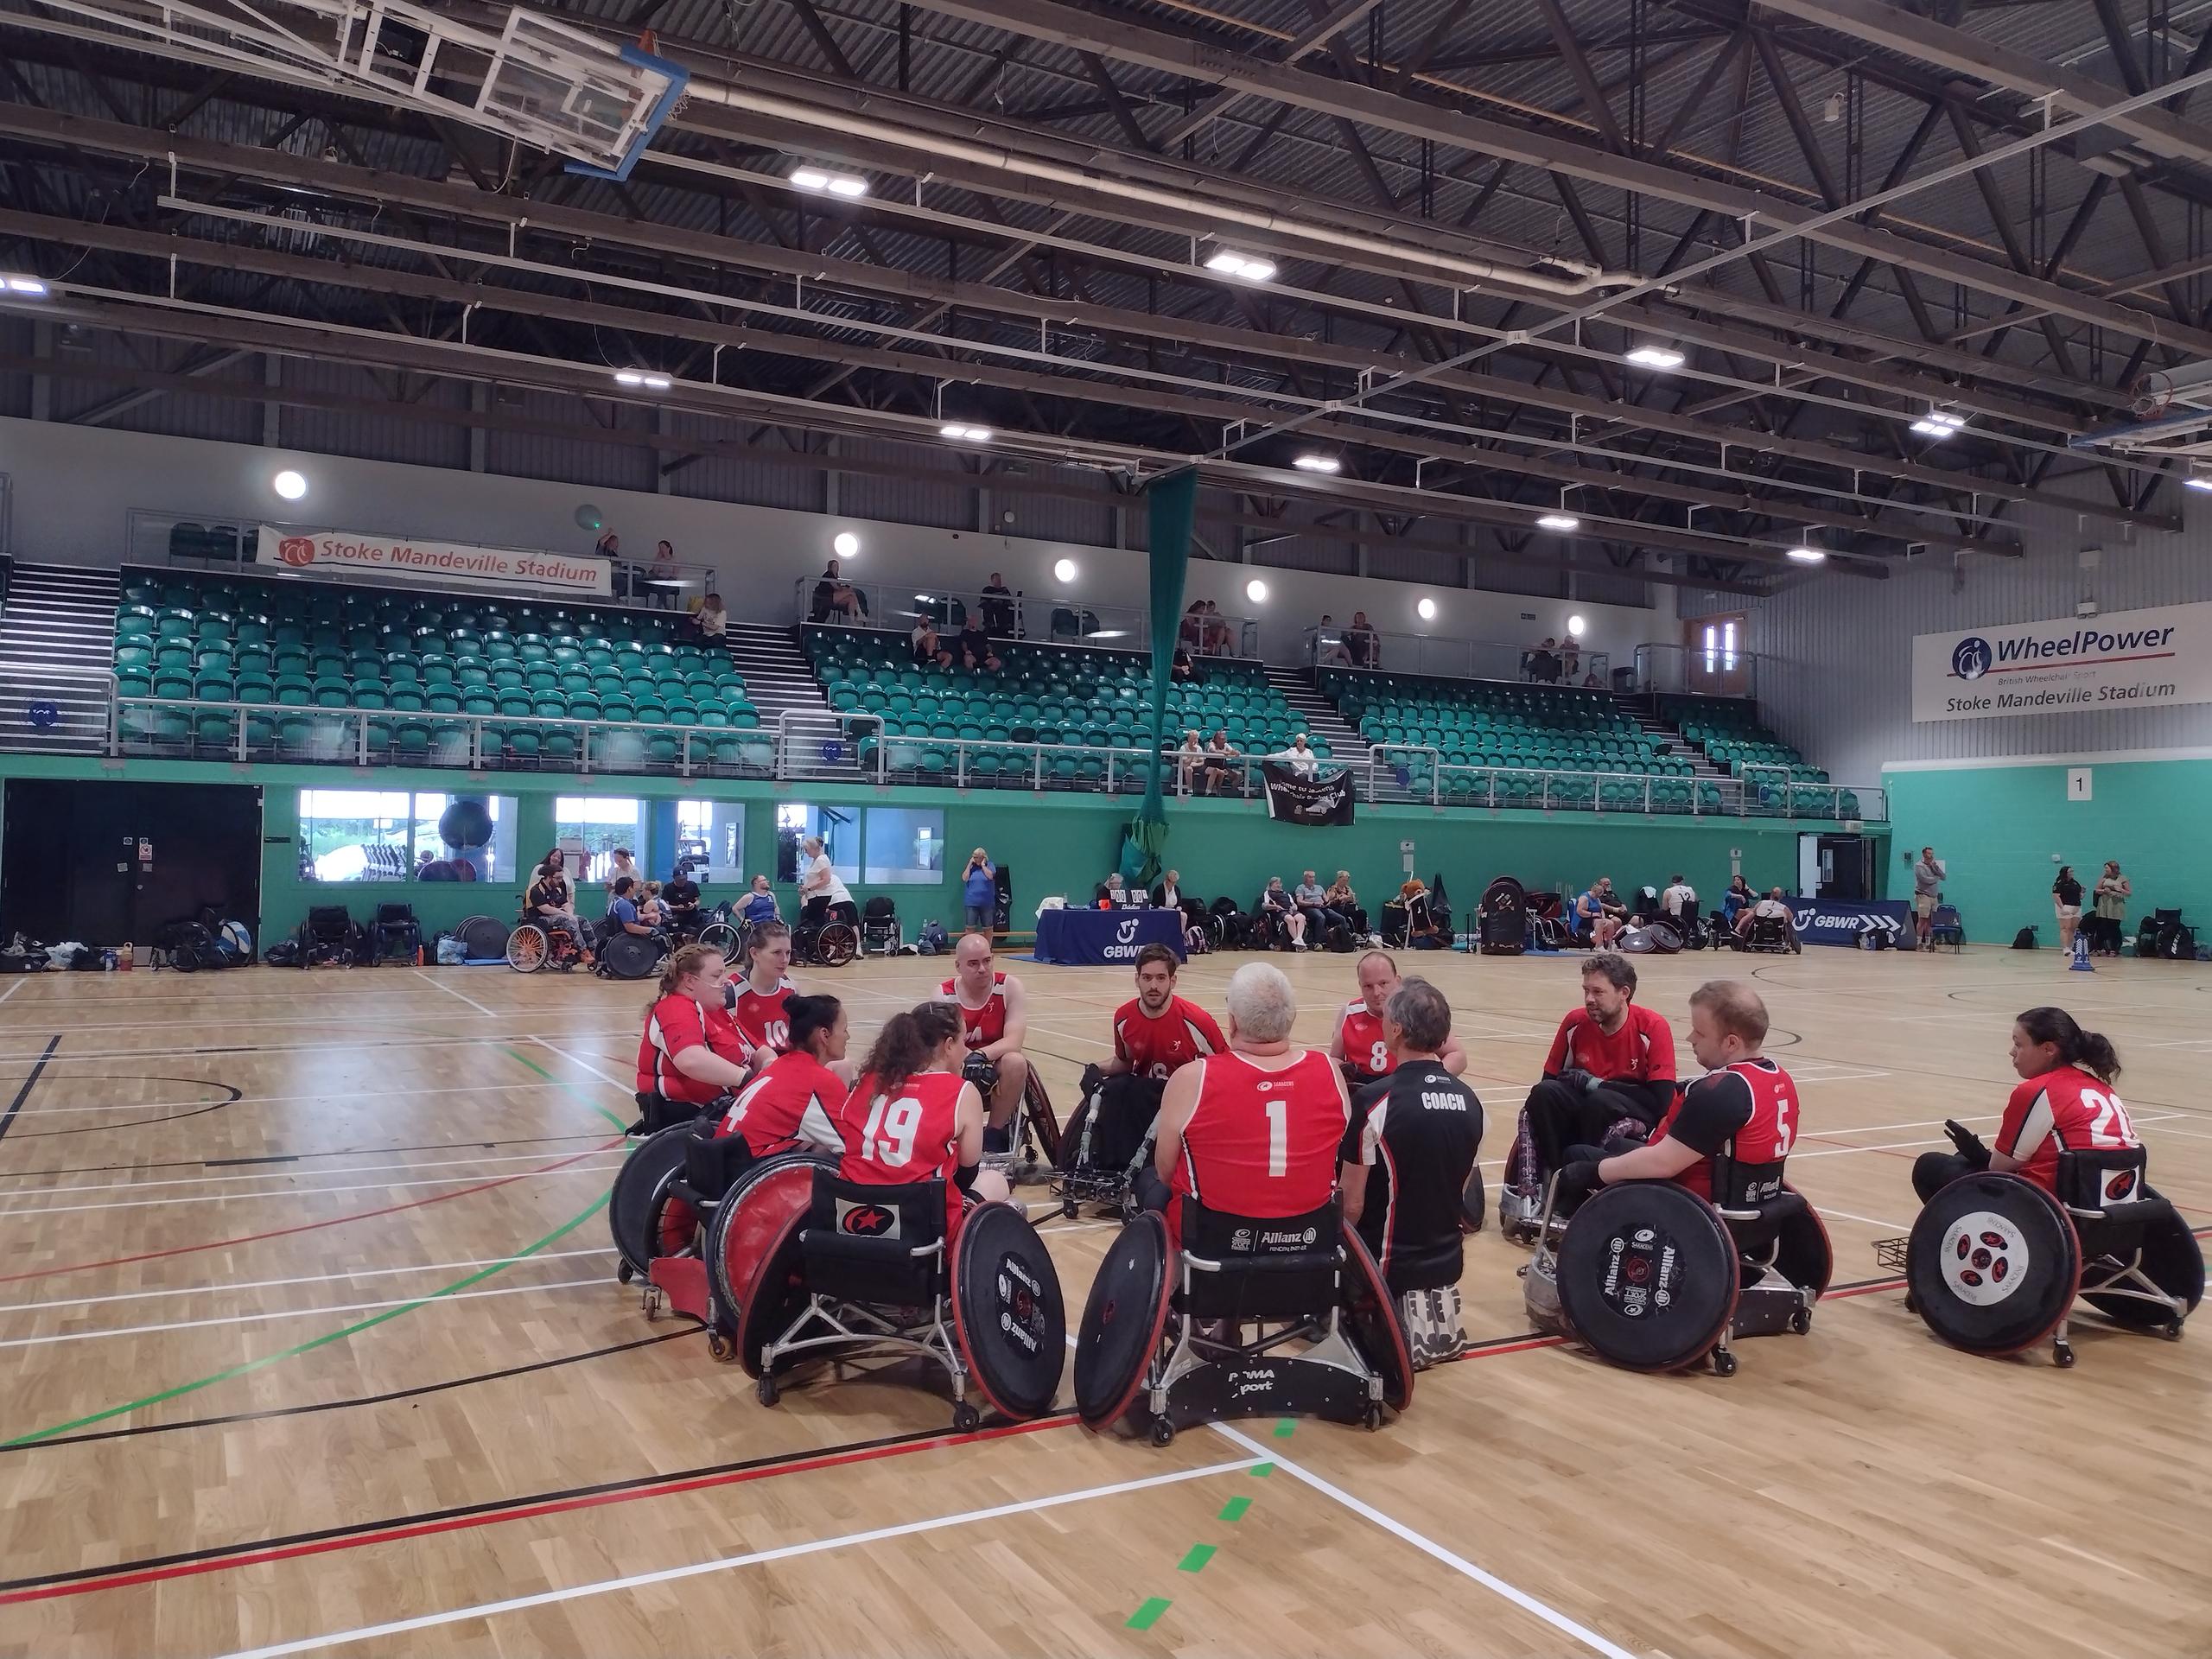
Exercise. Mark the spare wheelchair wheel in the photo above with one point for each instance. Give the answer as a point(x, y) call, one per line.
point(484, 937)
point(1371, 1316)
point(1993, 1264)
point(719, 936)
point(634, 1206)
point(629, 956)
point(1646, 1275)
point(740, 1220)
point(1006, 1311)
point(1122, 1321)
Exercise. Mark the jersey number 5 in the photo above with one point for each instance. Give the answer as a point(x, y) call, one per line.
point(898, 1126)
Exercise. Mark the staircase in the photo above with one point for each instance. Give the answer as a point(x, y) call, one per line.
point(1318, 715)
point(777, 674)
point(1642, 709)
point(57, 646)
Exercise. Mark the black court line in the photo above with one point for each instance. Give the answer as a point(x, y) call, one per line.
point(23, 1094)
point(416, 1392)
point(236, 1163)
point(337, 1152)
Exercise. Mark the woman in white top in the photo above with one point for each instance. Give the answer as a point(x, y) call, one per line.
point(825, 896)
point(713, 617)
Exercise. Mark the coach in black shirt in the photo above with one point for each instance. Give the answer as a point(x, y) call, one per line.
point(1406, 1156)
point(681, 895)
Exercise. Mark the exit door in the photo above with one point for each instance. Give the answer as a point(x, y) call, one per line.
point(1838, 867)
point(103, 862)
point(1716, 660)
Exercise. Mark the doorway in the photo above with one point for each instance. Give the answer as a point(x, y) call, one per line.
point(1839, 868)
point(103, 862)
point(1715, 663)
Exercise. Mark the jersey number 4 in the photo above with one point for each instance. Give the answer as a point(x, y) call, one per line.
point(888, 1137)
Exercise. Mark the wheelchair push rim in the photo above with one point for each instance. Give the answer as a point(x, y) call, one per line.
point(528, 947)
point(1371, 1312)
point(634, 1206)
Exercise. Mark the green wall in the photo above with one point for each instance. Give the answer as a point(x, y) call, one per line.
point(1054, 844)
point(1995, 828)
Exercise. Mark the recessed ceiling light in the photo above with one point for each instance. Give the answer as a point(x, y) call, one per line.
point(1559, 521)
point(1256, 591)
point(1317, 464)
point(1657, 357)
point(1809, 555)
point(290, 484)
point(847, 185)
point(845, 545)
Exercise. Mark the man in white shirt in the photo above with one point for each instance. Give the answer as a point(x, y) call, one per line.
point(1680, 899)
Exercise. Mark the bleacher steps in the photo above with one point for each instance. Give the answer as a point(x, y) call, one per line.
point(57, 645)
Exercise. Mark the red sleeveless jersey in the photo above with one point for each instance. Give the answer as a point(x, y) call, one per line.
point(674, 1023)
point(983, 1026)
point(1154, 1046)
point(1747, 1110)
point(913, 1135)
point(2065, 1110)
point(1264, 1143)
point(796, 1101)
point(760, 1016)
point(1365, 1052)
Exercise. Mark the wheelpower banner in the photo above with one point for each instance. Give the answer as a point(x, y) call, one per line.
point(1823, 921)
point(1307, 794)
point(2130, 659)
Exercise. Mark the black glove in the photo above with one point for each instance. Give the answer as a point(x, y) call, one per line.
point(1093, 1077)
point(1577, 1181)
point(1579, 1080)
point(1968, 1143)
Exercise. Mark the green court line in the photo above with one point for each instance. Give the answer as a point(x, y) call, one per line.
point(1233, 1509)
point(323, 1341)
point(1196, 1560)
point(1264, 1469)
point(1285, 1428)
point(1148, 1615)
point(620, 1127)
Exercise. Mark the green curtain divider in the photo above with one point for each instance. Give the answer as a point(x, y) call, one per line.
point(1173, 503)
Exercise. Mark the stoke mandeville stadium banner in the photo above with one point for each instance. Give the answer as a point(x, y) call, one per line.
point(352, 552)
point(2130, 659)
point(1301, 792)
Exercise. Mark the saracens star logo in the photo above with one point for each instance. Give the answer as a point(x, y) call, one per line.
point(868, 1220)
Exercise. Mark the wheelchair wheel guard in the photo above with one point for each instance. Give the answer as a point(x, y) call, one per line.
point(2173, 1260)
point(629, 956)
point(729, 1259)
point(1993, 1264)
point(1646, 1275)
point(1803, 1255)
point(1007, 1312)
point(1371, 1315)
point(1123, 1319)
point(634, 1207)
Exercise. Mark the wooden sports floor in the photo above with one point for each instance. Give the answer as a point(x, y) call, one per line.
point(309, 1339)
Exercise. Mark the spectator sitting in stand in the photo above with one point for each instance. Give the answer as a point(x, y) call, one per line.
point(929, 651)
point(1191, 630)
point(1216, 632)
point(1300, 756)
point(1329, 648)
point(1189, 760)
point(1218, 757)
point(662, 584)
point(837, 599)
point(712, 619)
point(973, 647)
point(1181, 669)
point(998, 607)
point(1361, 641)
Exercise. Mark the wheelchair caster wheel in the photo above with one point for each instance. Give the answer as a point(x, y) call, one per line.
point(719, 1348)
point(651, 1300)
point(1070, 1208)
point(1372, 1419)
point(1724, 1363)
point(1801, 1321)
point(966, 1419)
point(624, 1274)
point(766, 1391)
point(2062, 1355)
point(1163, 1432)
point(2170, 1330)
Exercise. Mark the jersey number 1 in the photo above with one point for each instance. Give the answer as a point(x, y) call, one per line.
point(1278, 1136)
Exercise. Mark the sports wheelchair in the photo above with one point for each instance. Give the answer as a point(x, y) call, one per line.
point(1109, 1138)
point(1768, 934)
point(1164, 1343)
point(813, 1267)
point(1501, 918)
point(331, 938)
point(1993, 1262)
point(623, 955)
point(830, 943)
point(1029, 1145)
point(537, 943)
point(881, 934)
point(1650, 1277)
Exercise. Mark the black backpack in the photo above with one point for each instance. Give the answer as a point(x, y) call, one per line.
point(2024, 939)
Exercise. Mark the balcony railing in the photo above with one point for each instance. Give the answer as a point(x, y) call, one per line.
point(1453, 660)
point(1008, 616)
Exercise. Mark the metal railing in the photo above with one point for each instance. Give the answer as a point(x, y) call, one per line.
point(897, 608)
point(1453, 660)
point(1686, 670)
point(857, 747)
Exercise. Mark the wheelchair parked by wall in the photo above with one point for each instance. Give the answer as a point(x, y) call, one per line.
point(1651, 1277)
point(829, 937)
point(1994, 1263)
point(539, 941)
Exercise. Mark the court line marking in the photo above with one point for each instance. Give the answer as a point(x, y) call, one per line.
point(1872, 1221)
point(296, 1192)
point(369, 1049)
point(8, 1119)
point(286, 1314)
point(1899, 1146)
point(613, 1083)
point(176, 1291)
point(349, 1096)
point(289, 1172)
point(755, 1558)
point(449, 991)
point(11, 990)
point(1521, 1599)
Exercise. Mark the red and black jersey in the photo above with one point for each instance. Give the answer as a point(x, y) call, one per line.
point(796, 1101)
point(674, 1024)
point(1154, 1046)
point(984, 1026)
point(1418, 1132)
point(759, 1015)
point(2065, 1111)
point(1263, 1143)
point(1747, 1112)
point(1642, 1051)
point(1365, 1052)
point(911, 1135)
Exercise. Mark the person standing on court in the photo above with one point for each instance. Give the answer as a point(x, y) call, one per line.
point(1928, 878)
point(979, 893)
point(2066, 899)
point(2113, 892)
point(1407, 1158)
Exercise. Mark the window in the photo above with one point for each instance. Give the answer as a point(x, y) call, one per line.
point(839, 828)
point(905, 845)
point(713, 830)
point(1720, 646)
point(599, 827)
point(361, 835)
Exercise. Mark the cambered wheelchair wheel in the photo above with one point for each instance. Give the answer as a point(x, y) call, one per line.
point(528, 948)
point(837, 944)
point(719, 936)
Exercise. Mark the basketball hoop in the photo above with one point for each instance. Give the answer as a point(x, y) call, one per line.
point(2153, 394)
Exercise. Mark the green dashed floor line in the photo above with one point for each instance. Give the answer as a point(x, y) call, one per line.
point(1148, 1615)
point(1262, 1470)
point(1196, 1558)
point(1233, 1509)
point(1195, 1561)
point(1285, 1428)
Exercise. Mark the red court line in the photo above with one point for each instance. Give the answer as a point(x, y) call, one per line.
point(527, 1512)
point(308, 1226)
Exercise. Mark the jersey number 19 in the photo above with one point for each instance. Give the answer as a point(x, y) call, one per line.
point(888, 1136)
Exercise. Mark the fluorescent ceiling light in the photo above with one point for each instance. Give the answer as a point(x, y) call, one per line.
point(1944, 418)
point(1809, 555)
point(1229, 263)
point(1657, 357)
point(964, 434)
point(2199, 480)
point(1317, 464)
point(1559, 521)
point(30, 287)
point(1933, 429)
point(847, 185)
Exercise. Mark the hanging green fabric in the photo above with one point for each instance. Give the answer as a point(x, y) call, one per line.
point(1173, 503)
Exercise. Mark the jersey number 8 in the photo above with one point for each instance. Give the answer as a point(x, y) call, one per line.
point(888, 1138)
point(1378, 1058)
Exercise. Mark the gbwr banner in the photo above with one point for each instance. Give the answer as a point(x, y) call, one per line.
point(350, 552)
point(2130, 659)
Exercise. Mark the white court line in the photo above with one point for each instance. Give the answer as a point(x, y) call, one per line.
point(1901, 1146)
point(1460, 1564)
point(1872, 1221)
point(287, 1313)
point(309, 1279)
point(11, 990)
point(347, 1095)
point(627, 1092)
point(289, 1173)
point(226, 1049)
point(449, 991)
point(696, 1569)
point(300, 1192)
point(1831, 1077)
